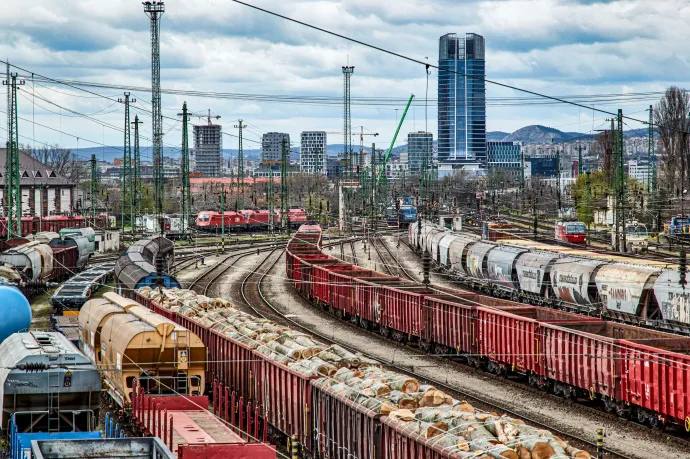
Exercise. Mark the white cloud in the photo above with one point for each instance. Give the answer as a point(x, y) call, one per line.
point(556, 47)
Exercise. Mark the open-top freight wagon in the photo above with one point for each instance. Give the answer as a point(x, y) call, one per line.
point(332, 403)
point(637, 372)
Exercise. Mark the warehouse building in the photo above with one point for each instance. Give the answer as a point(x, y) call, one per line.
point(43, 191)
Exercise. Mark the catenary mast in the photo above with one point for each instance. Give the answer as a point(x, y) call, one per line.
point(154, 10)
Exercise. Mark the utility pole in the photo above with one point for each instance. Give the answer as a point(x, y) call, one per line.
point(613, 164)
point(137, 170)
point(589, 201)
point(347, 119)
point(127, 189)
point(13, 195)
point(621, 176)
point(522, 179)
point(284, 201)
point(651, 157)
point(558, 179)
point(270, 197)
point(94, 177)
point(579, 159)
point(222, 218)
point(186, 198)
point(154, 10)
point(240, 163)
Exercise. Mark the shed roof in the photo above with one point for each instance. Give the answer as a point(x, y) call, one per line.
point(32, 171)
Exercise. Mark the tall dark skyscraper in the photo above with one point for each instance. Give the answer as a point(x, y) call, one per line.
point(461, 100)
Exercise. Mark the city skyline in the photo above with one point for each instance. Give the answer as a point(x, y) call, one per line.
point(241, 51)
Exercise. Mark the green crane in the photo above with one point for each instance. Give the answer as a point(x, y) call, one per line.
point(388, 153)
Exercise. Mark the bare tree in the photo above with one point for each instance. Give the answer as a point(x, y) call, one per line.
point(671, 118)
point(61, 160)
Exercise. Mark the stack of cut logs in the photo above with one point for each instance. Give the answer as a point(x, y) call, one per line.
point(448, 424)
point(297, 350)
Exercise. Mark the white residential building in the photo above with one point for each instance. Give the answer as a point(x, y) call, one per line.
point(313, 152)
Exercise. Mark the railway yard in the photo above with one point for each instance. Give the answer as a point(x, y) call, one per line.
point(276, 343)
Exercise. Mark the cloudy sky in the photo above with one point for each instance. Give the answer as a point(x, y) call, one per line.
point(559, 48)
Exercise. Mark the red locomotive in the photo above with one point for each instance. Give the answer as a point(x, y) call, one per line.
point(571, 231)
point(246, 220)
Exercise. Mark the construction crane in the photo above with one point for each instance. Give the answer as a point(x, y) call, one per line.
point(207, 116)
point(361, 140)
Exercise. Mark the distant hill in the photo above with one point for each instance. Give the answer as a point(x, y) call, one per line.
point(528, 134)
point(496, 136)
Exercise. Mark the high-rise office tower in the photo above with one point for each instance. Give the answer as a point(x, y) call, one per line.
point(461, 101)
point(313, 152)
point(419, 149)
point(208, 147)
point(272, 145)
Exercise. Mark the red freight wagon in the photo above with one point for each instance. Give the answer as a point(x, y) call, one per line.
point(657, 380)
point(321, 269)
point(342, 291)
point(280, 393)
point(284, 396)
point(316, 269)
point(366, 303)
point(446, 321)
point(238, 375)
point(510, 336)
point(342, 428)
point(64, 262)
point(400, 443)
point(584, 357)
point(391, 305)
point(630, 368)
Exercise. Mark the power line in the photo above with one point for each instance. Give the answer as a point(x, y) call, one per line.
point(427, 66)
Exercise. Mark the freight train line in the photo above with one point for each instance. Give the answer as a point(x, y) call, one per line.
point(262, 306)
point(593, 409)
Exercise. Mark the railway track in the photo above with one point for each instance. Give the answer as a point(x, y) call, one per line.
point(256, 301)
point(260, 304)
point(668, 436)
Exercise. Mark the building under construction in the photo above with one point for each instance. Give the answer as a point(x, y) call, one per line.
point(208, 148)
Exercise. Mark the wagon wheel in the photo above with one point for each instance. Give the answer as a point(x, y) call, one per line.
point(621, 409)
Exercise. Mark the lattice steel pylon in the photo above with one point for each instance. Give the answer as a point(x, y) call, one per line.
point(137, 169)
point(284, 201)
point(127, 182)
point(186, 197)
point(13, 196)
point(651, 157)
point(154, 10)
point(270, 197)
point(94, 179)
point(348, 70)
point(240, 163)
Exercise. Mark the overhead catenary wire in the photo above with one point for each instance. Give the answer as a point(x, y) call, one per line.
point(427, 65)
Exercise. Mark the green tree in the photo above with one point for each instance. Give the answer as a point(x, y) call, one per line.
point(600, 190)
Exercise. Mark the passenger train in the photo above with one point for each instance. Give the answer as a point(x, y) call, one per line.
point(246, 220)
point(403, 216)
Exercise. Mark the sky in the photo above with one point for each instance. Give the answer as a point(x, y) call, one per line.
point(557, 48)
